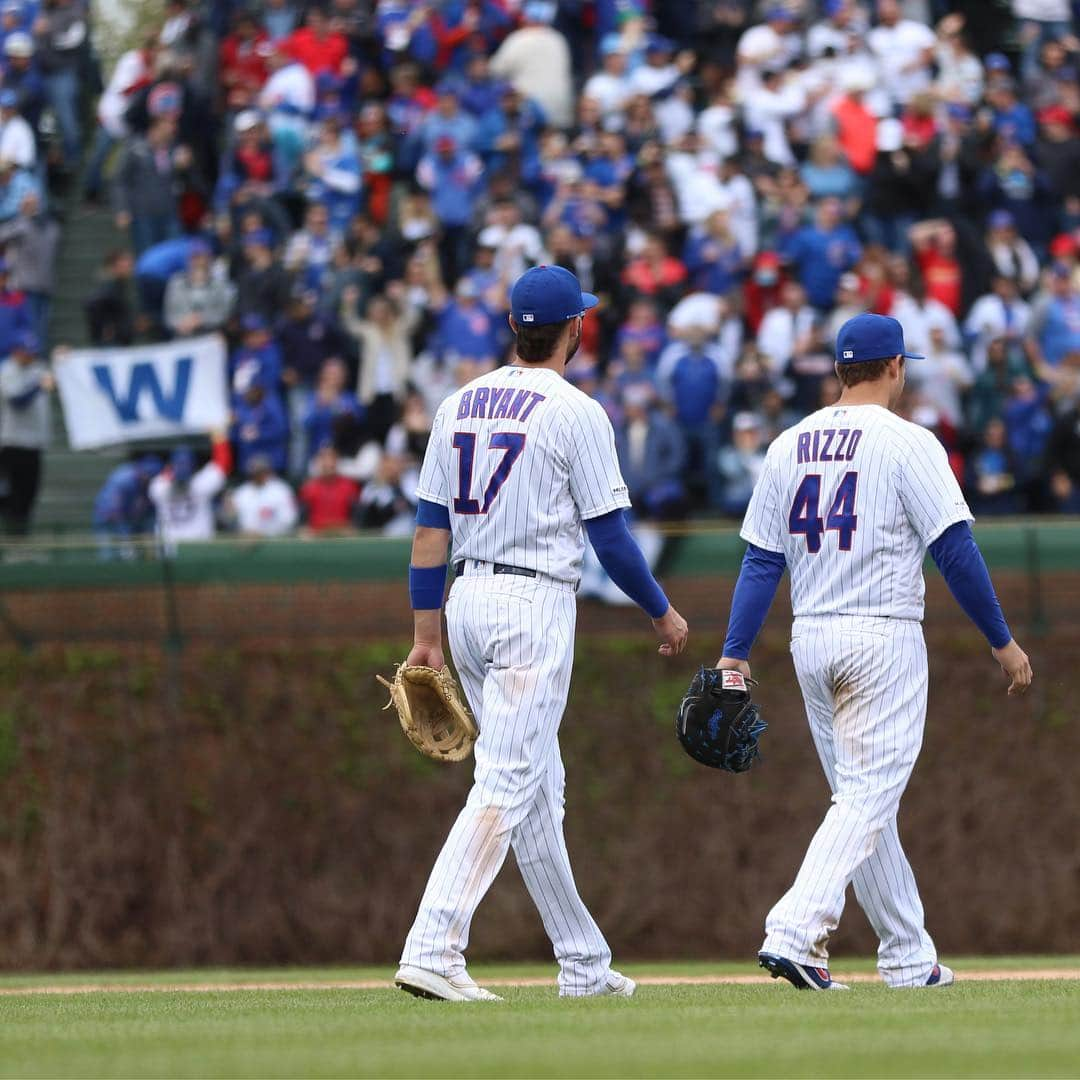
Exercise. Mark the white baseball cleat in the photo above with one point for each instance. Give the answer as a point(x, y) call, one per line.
point(426, 984)
point(941, 976)
point(618, 985)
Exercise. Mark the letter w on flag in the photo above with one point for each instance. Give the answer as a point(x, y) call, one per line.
point(144, 381)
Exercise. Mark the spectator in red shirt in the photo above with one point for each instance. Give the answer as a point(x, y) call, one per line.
point(328, 498)
point(856, 125)
point(317, 46)
point(243, 60)
point(934, 244)
point(654, 272)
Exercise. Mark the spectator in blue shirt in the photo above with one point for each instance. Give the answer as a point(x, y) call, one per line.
point(690, 373)
point(453, 176)
point(330, 406)
point(258, 359)
point(15, 185)
point(652, 455)
point(15, 317)
point(333, 174)
point(509, 133)
point(467, 332)
point(713, 256)
point(259, 427)
point(122, 507)
point(448, 120)
point(1013, 120)
point(1055, 323)
point(821, 253)
point(1028, 424)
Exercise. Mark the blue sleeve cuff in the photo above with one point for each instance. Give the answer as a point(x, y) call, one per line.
point(427, 586)
point(962, 566)
point(432, 515)
point(621, 557)
point(759, 576)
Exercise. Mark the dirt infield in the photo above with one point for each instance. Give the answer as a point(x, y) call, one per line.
point(379, 984)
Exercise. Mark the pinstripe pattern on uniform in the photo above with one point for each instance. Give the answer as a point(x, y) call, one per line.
point(860, 659)
point(864, 683)
point(512, 641)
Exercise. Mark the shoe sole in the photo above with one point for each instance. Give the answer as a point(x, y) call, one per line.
point(431, 987)
point(418, 991)
point(776, 969)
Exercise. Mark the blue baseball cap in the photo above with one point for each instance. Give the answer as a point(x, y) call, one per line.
point(996, 61)
point(27, 340)
point(548, 294)
point(182, 464)
point(871, 337)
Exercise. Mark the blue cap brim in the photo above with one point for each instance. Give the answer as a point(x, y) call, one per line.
point(913, 356)
point(588, 300)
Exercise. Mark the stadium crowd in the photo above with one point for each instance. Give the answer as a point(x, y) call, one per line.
point(347, 189)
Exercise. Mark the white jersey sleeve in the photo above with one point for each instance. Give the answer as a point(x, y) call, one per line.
point(929, 493)
point(596, 482)
point(434, 485)
point(763, 524)
point(208, 481)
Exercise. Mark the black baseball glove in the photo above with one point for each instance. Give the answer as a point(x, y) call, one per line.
point(718, 724)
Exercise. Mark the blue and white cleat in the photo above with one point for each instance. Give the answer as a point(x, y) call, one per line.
point(801, 976)
point(941, 976)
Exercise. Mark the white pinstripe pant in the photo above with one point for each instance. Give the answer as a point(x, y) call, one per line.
point(512, 640)
point(864, 683)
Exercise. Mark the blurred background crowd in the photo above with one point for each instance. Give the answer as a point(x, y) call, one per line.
point(347, 189)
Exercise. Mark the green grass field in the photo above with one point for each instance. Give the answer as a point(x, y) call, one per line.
point(1003, 1028)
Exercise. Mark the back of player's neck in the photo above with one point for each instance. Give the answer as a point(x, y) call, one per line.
point(863, 394)
point(552, 364)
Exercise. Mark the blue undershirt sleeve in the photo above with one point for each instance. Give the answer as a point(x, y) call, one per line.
point(962, 566)
point(754, 591)
point(621, 557)
point(432, 515)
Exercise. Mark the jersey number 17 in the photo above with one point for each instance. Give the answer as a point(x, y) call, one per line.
point(805, 516)
point(511, 443)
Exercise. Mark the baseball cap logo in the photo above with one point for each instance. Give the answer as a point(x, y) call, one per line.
point(527, 316)
point(848, 354)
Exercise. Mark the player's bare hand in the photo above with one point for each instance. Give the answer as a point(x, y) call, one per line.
point(729, 663)
point(671, 628)
point(427, 656)
point(1015, 663)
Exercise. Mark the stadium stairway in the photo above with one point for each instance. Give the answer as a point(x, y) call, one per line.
point(72, 479)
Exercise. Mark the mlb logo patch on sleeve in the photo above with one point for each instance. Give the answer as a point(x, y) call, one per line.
point(732, 680)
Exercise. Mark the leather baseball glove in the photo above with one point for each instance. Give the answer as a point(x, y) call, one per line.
point(432, 714)
point(718, 724)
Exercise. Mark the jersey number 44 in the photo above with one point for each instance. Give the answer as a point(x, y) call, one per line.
point(805, 518)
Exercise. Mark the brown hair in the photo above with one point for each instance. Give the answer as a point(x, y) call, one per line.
point(535, 344)
point(866, 371)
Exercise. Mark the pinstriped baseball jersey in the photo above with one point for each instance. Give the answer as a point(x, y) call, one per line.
point(853, 496)
point(520, 458)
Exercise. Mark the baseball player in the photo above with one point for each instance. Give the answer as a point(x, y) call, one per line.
point(849, 500)
point(518, 461)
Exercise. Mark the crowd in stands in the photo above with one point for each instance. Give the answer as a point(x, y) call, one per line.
point(346, 189)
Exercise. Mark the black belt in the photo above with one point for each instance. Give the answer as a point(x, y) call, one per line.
point(497, 568)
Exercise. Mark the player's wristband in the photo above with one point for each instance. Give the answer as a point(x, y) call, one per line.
point(427, 585)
